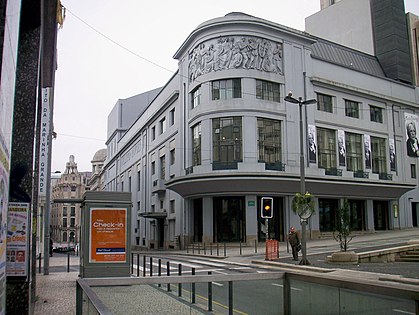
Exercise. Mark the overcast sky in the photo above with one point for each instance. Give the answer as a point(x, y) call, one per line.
point(110, 50)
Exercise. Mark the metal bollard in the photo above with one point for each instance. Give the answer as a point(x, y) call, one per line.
point(193, 287)
point(240, 248)
point(225, 250)
point(211, 248)
point(40, 260)
point(205, 250)
point(168, 274)
point(138, 265)
point(159, 271)
point(144, 265)
point(179, 293)
point(209, 294)
point(151, 266)
point(218, 250)
point(132, 263)
point(68, 261)
point(256, 246)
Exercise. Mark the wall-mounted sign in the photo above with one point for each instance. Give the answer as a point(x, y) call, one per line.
point(108, 235)
point(17, 239)
point(44, 141)
point(251, 203)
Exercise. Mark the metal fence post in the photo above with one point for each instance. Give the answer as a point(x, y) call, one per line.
point(132, 263)
point(138, 265)
point(68, 261)
point(151, 266)
point(230, 297)
point(180, 284)
point(209, 294)
point(168, 274)
point(193, 287)
point(225, 250)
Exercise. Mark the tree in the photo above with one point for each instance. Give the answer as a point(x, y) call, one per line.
point(343, 230)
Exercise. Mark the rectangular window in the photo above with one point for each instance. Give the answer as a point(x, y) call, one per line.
point(153, 168)
point(172, 156)
point(139, 180)
point(64, 222)
point(172, 206)
point(269, 140)
point(379, 156)
point(172, 117)
point(196, 149)
point(73, 222)
point(153, 133)
point(326, 145)
point(413, 170)
point(354, 161)
point(266, 90)
point(376, 114)
point(73, 211)
point(129, 184)
point(324, 103)
point(227, 141)
point(163, 167)
point(162, 124)
point(196, 97)
point(351, 109)
point(226, 89)
point(64, 211)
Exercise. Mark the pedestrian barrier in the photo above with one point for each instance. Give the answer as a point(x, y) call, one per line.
point(272, 250)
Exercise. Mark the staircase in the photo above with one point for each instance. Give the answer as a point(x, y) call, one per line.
point(409, 256)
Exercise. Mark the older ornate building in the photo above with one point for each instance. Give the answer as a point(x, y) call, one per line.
point(65, 217)
point(96, 182)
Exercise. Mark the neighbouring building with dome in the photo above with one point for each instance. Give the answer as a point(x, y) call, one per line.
point(199, 153)
point(96, 182)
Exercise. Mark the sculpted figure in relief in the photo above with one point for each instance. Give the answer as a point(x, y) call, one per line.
point(235, 53)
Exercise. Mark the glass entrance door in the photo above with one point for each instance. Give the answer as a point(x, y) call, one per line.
point(229, 219)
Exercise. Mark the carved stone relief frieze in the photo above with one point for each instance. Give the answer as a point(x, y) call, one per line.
point(235, 52)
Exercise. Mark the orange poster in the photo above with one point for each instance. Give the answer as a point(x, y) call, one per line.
point(108, 235)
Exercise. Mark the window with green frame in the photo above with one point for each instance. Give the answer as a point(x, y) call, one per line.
point(354, 160)
point(324, 103)
point(379, 155)
point(226, 89)
point(266, 90)
point(326, 148)
point(351, 109)
point(269, 140)
point(227, 141)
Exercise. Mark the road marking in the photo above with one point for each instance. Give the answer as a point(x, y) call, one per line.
point(218, 284)
point(403, 312)
point(208, 263)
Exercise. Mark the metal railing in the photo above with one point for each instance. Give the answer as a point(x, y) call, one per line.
point(293, 292)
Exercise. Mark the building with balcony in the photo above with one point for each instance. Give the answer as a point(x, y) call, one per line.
point(219, 136)
point(66, 217)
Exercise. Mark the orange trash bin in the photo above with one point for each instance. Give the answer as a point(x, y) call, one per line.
point(272, 250)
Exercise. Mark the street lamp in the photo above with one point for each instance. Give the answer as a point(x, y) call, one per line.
point(306, 214)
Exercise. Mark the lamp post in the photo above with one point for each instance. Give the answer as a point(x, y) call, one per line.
point(304, 215)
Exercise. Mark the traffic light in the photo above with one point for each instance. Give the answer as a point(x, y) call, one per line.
point(266, 210)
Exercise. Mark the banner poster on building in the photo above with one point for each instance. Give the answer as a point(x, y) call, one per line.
point(17, 239)
point(4, 196)
point(392, 151)
point(341, 147)
point(312, 144)
point(44, 141)
point(367, 151)
point(108, 235)
point(412, 125)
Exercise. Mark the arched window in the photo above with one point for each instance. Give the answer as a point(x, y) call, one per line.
point(65, 237)
point(72, 234)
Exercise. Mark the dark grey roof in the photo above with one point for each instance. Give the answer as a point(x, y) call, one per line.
point(347, 57)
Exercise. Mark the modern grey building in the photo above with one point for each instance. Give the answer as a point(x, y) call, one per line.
point(219, 136)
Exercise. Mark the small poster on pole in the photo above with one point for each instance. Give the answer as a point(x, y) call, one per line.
point(17, 239)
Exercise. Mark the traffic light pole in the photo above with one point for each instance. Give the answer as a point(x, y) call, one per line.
point(267, 229)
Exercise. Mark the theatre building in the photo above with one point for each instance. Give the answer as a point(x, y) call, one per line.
point(199, 153)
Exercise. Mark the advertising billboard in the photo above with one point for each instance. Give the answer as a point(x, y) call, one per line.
point(108, 235)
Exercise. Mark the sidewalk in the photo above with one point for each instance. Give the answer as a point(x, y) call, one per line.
point(56, 292)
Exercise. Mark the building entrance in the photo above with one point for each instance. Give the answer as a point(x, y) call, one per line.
point(381, 215)
point(229, 219)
